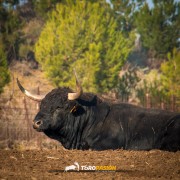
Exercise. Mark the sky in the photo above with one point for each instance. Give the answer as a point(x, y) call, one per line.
point(149, 2)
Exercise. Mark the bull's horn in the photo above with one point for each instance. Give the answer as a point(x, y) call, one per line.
point(28, 94)
point(76, 95)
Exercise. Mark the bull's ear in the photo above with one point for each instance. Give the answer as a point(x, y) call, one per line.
point(77, 110)
point(74, 109)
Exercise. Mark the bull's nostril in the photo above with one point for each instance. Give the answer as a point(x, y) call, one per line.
point(38, 123)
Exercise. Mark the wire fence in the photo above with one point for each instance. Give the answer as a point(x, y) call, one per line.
point(16, 117)
point(171, 104)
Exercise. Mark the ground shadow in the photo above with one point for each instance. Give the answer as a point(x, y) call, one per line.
point(92, 171)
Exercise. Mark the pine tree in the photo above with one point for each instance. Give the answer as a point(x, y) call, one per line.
point(4, 73)
point(124, 12)
point(9, 28)
point(43, 6)
point(170, 73)
point(83, 35)
point(159, 26)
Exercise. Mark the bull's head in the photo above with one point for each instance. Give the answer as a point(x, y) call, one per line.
point(58, 101)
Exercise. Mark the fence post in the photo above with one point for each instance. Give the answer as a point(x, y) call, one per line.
point(162, 105)
point(38, 104)
point(39, 138)
point(148, 101)
point(27, 118)
point(7, 132)
point(173, 103)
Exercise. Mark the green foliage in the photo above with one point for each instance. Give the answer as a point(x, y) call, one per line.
point(159, 26)
point(124, 11)
point(162, 86)
point(83, 35)
point(10, 25)
point(31, 33)
point(171, 73)
point(151, 85)
point(127, 83)
point(43, 6)
point(4, 73)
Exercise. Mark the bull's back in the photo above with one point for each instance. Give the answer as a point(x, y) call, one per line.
point(142, 129)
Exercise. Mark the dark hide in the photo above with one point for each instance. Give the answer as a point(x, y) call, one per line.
point(91, 123)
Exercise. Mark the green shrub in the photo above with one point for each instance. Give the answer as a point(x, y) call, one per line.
point(4, 73)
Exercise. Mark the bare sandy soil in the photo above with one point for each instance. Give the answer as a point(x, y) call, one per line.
point(50, 164)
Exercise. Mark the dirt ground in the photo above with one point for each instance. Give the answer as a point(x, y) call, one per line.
point(50, 164)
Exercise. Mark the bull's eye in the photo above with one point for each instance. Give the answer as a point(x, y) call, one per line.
point(59, 108)
point(56, 109)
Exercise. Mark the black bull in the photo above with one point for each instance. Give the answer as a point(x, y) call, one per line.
point(89, 122)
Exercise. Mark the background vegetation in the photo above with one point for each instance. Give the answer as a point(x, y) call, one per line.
point(76, 35)
point(97, 39)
